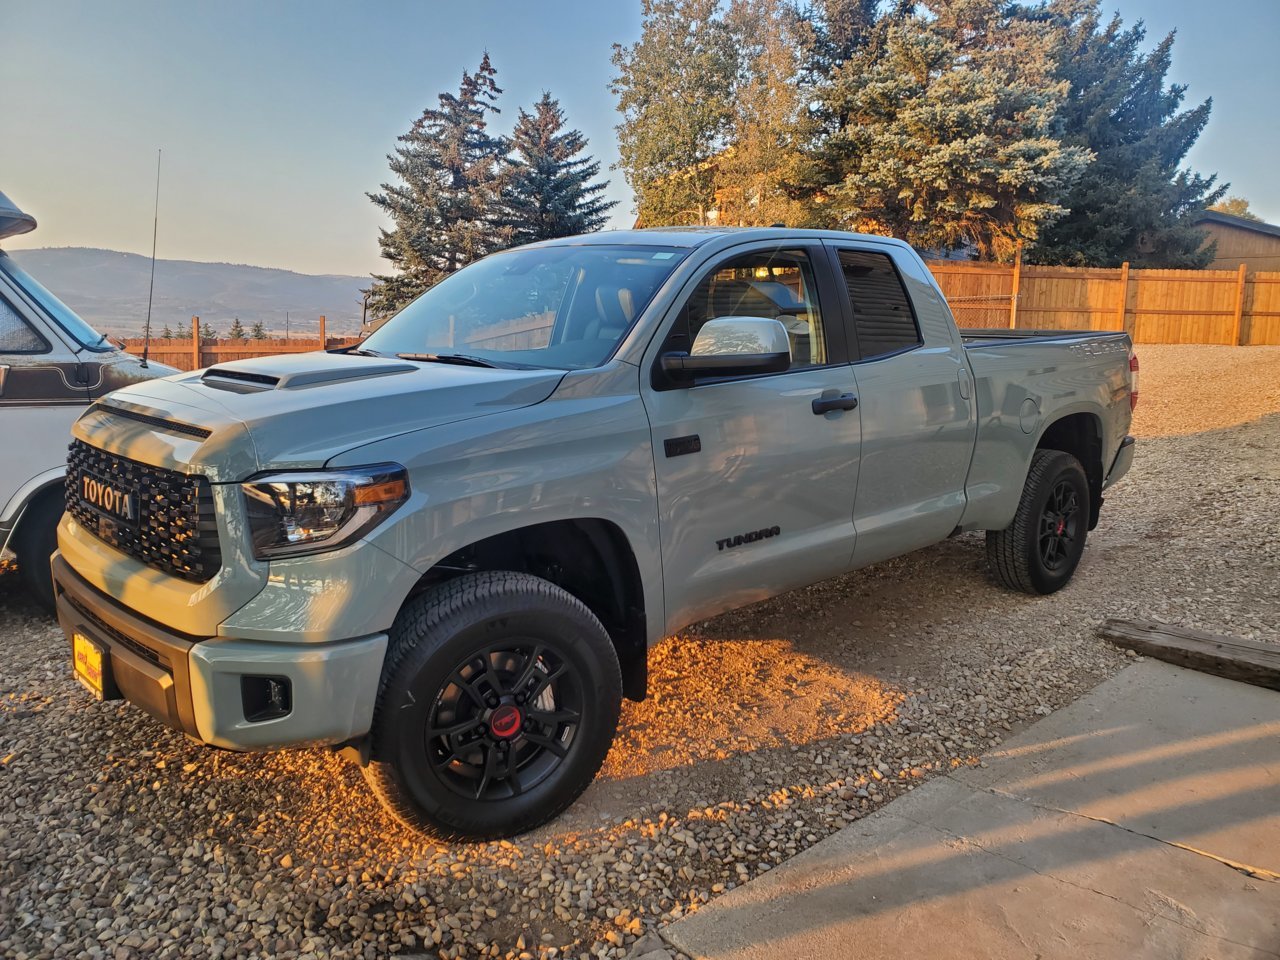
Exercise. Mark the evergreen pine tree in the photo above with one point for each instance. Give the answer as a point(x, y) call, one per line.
point(1137, 203)
point(208, 332)
point(257, 331)
point(446, 201)
point(944, 130)
point(549, 192)
point(167, 334)
point(237, 330)
point(675, 92)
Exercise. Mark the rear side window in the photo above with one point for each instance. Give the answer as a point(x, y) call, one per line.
point(882, 314)
point(15, 335)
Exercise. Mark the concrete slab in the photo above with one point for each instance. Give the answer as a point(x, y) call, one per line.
point(967, 866)
point(1168, 752)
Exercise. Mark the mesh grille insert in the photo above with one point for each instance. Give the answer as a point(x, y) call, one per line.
point(174, 530)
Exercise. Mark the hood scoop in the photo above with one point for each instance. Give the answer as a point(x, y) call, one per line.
point(295, 373)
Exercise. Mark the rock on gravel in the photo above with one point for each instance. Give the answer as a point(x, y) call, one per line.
point(768, 729)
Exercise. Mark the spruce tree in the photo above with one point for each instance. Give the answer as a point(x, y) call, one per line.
point(549, 191)
point(237, 330)
point(257, 331)
point(167, 334)
point(445, 202)
point(675, 92)
point(943, 130)
point(1137, 203)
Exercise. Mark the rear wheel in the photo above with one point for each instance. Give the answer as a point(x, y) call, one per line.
point(35, 541)
point(499, 699)
point(1040, 550)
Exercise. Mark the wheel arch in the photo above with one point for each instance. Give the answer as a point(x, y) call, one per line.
point(34, 492)
point(1080, 434)
point(591, 558)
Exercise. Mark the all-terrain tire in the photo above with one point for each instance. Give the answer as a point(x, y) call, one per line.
point(453, 652)
point(1022, 556)
point(34, 543)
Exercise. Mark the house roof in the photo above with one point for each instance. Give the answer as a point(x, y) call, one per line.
point(1244, 223)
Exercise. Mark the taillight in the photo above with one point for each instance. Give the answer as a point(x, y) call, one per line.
point(1133, 381)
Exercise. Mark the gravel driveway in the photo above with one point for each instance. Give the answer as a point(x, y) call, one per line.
point(767, 729)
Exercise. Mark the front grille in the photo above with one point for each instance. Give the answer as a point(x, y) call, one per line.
point(175, 530)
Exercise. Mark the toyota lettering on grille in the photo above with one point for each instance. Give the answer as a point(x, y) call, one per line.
point(120, 504)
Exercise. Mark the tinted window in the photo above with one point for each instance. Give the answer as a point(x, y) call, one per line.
point(15, 335)
point(560, 306)
point(882, 316)
point(775, 284)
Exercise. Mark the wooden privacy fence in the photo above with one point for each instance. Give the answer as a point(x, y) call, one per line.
point(194, 354)
point(1152, 306)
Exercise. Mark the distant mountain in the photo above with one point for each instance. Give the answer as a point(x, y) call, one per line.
point(109, 289)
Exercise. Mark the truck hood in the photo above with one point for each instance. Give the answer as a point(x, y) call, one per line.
point(297, 410)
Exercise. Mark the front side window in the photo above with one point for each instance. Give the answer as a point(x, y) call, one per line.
point(882, 315)
point(16, 336)
point(775, 284)
point(565, 307)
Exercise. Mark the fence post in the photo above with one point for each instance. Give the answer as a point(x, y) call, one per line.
point(1237, 320)
point(1017, 286)
point(195, 342)
point(1123, 307)
point(324, 340)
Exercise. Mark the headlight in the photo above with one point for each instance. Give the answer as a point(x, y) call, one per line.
point(298, 513)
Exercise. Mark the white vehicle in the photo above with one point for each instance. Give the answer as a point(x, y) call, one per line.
point(52, 366)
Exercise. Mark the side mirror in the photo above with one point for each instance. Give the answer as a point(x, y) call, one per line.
point(733, 346)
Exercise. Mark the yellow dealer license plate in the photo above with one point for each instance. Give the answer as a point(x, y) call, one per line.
point(88, 663)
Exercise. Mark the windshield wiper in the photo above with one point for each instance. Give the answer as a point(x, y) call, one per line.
point(361, 352)
point(460, 359)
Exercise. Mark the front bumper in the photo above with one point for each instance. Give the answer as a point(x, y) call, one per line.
point(194, 684)
point(1120, 466)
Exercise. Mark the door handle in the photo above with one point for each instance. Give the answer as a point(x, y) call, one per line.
point(846, 401)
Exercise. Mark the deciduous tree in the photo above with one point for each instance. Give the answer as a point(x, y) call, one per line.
point(674, 89)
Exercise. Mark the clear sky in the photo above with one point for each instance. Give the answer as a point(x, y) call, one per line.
point(276, 117)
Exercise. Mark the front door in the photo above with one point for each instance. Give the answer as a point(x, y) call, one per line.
point(755, 489)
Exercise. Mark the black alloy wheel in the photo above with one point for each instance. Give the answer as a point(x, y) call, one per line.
point(1040, 550)
point(1059, 526)
point(505, 720)
point(499, 698)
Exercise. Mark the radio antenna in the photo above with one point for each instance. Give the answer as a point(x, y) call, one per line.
point(155, 229)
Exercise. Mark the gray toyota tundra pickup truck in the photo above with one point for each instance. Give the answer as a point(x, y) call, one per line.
point(446, 551)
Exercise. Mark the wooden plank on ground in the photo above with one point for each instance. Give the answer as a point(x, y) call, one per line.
point(1234, 658)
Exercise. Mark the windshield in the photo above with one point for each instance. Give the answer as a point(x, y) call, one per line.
point(561, 307)
point(62, 315)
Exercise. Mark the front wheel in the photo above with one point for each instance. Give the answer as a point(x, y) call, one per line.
point(1040, 550)
point(499, 699)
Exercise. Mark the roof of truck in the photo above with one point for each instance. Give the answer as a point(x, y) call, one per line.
point(12, 220)
point(697, 236)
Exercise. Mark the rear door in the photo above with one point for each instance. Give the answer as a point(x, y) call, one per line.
point(755, 489)
point(914, 393)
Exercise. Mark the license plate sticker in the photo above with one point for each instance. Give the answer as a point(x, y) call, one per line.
point(88, 663)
